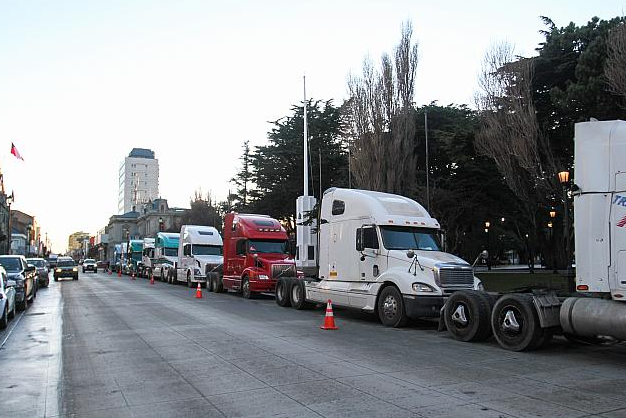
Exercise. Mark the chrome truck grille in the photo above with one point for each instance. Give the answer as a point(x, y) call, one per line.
point(451, 277)
point(283, 270)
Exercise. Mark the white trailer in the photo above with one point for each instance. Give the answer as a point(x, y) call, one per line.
point(378, 252)
point(147, 258)
point(199, 253)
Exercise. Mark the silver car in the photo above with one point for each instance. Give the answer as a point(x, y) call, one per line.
point(7, 298)
point(42, 270)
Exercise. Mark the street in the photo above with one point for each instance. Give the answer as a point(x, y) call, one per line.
point(105, 346)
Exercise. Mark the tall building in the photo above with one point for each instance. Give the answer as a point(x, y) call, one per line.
point(75, 241)
point(138, 179)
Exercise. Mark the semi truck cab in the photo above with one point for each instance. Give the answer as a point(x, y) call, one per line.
point(147, 257)
point(165, 255)
point(199, 253)
point(256, 253)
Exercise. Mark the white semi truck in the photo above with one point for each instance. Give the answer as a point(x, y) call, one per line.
point(381, 280)
point(199, 251)
point(147, 258)
point(377, 252)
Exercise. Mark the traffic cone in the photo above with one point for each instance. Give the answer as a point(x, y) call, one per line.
point(329, 319)
point(119, 273)
point(151, 278)
point(198, 291)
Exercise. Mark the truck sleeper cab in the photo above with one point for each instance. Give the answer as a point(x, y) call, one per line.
point(255, 255)
point(199, 253)
point(147, 257)
point(134, 255)
point(380, 252)
point(165, 256)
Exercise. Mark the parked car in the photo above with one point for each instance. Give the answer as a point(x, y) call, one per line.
point(89, 264)
point(66, 267)
point(42, 270)
point(25, 279)
point(7, 298)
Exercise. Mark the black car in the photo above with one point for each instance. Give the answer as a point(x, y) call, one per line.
point(66, 267)
point(42, 270)
point(25, 278)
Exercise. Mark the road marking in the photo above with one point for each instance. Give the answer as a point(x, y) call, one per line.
point(15, 322)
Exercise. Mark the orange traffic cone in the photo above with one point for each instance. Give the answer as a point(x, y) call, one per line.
point(329, 319)
point(119, 273)
point(198, 291)
point(151, 278)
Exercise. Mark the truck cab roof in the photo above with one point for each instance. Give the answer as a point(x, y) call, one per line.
point(167, 239)
point(200, 234)
point(383, 208)
point(256, 226)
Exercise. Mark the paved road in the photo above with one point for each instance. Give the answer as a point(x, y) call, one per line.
point(111, 347)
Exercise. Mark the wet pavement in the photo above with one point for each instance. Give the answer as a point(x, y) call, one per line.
point(131, 349)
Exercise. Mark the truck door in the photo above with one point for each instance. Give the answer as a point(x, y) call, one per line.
point(618, 239)
point(187, 260)
point(369, 266)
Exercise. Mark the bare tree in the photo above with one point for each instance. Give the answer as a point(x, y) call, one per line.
point(615, 69)
point(510, 132)
point(382, 120)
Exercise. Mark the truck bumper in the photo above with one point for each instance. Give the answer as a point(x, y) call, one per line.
point(422, 306)
point(262, 285)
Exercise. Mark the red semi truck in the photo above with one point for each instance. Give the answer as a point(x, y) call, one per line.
point(255, 255)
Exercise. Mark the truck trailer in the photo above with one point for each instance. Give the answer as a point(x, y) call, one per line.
point(255, 255)
point(199, 252)
point(379, 253)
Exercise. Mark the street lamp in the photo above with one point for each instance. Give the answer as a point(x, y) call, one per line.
point(564, 180)
point(487, 225)
point(552, 216)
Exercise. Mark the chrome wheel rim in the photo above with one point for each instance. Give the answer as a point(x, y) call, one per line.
point(390, 306)
point(459, 317)
point(295, 294)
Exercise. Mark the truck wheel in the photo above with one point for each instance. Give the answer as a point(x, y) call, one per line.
point(283, 291)
point(515, 323)
point(245, 289)
point(391, 308)
point(298, 296)
point(209, 282)
point(218, 286)
point(189, 283)
point(468, 315)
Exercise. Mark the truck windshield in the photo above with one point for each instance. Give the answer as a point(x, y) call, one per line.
point(204, 249)
point(267, 247)
point(409, 238)
point(170, 252)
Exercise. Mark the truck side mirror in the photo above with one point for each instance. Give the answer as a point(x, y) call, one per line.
point(359, 239)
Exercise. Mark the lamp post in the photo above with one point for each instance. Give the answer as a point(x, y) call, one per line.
point(550, 224)
point(564, 180)
point(487, 225)
point(10, 200)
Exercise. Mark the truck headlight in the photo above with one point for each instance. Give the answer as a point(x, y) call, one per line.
point(58, 270)
point(74, 269)
point(422, 287)
point(263, 277)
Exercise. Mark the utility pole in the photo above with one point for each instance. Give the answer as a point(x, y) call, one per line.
point(427, 162)
point(306, 145)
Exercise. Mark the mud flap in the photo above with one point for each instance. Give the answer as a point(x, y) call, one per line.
point(442, 323)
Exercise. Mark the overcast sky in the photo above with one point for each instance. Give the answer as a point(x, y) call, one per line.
point(83, 82)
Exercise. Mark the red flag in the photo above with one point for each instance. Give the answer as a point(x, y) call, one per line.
point(15, 152)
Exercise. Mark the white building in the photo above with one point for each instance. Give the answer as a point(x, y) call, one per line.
point(138, 180)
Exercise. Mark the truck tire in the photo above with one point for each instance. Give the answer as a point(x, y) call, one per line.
point(391, 307)
point(189, 283)
point(209, 281)
point(218, 286)
point(283, 292)
point(515, 323)
point(298, 296)
point(245, 288)
point(468, 315)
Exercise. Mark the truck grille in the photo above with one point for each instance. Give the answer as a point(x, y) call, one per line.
point(455, 277)
point(283, 270)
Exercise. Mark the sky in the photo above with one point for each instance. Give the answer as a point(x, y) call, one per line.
point(83, 82)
